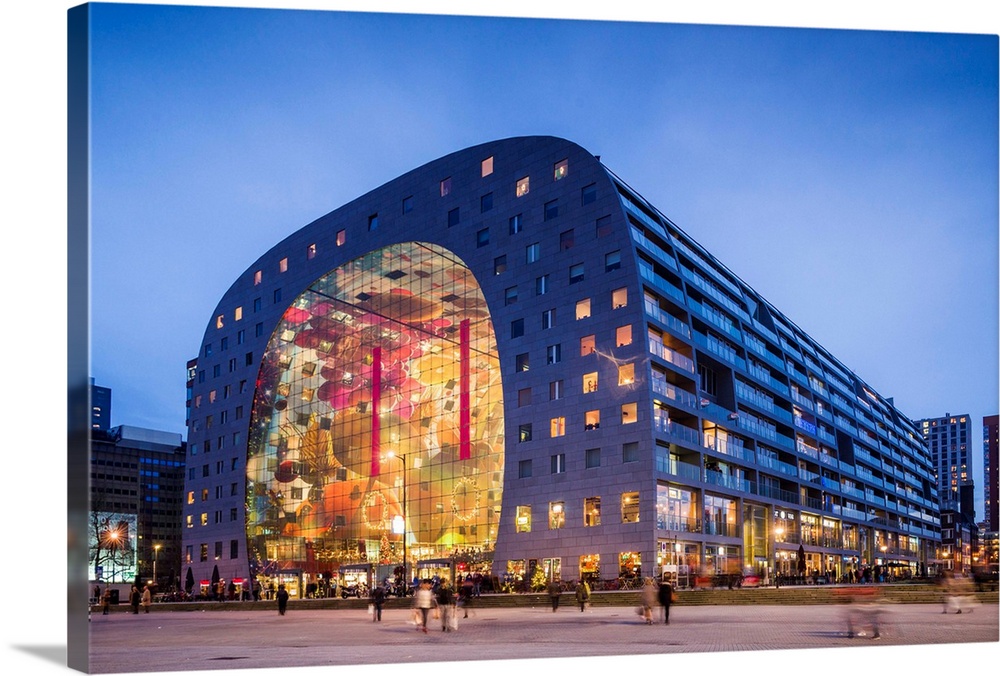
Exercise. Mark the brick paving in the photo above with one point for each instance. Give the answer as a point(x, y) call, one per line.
point(246, 639)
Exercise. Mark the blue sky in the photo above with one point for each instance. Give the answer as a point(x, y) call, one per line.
point(849, 175)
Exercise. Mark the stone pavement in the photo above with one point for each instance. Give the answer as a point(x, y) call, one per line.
point(200, 640)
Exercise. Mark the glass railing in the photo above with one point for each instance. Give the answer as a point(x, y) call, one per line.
point(717, 295)
point(671, 356)
point(802, 401)
point(675, 394)
point(806, 449)
point(664, 425)
point(678, 524)
point(827, 459)
point(661, 284)
point(653, 249)
point(727, 481)
point(731, 447)
point(668, 320)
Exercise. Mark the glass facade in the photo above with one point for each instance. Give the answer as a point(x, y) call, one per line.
point(378, 416)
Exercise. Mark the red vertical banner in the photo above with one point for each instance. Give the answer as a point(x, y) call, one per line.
point(464, 443)
point(376, 397)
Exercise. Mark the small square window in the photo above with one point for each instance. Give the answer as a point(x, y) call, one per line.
point(592, 458)
point(560, 170)
point(583, 308)
point(310, 252)
point(408, 204)
point(524, 397)
point(576, 273)
point(486, 202)
point(515, 224)
point(522, 187)
point(619, 298)
point(590, 382)
point(446, 187)
point(557, 426)
point(557, 515)
point(629, 415)
point(555, 390)
point(588, 194)
point(566, 240)
point(551, 210)
point(453, 217)
point(522, 363)
point(548, 319)
point(553, 354)
point(630, 451)
point(604, 226)
point(630, 507)
point(499, 264)
point(592, 420)
point(524, 432)
point(510, 295)
point(487, 166)
point(341, 237)
point(588, 345)
point(613, 261)
point(532, 253)
point(517, 328)
point(372, 222)
point(483, 237)
point(283, 265)
point(623, 335)
point(523, 517)
point(592, 506)
point(257, 277)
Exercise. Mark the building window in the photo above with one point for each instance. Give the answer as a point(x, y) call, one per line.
point(592, 511)
point(557, 427)
point(233, 516)
point(583, 308)
point(232, 364)
point(257, 304)
point(592, 458)
point(524, 432)
point(557, 463)
point(234, 549)
point(532, 253)
point(283, 265)
point(487, 166)
point(453, 217)
point(576, 273)
point(224, 343)
point(258, 330)
point(408, 204)
point(517, 328)
point(204, 551)
point(522, 187)
point(372, 222)
point(204, 518)
point(590, 382)
point(548, 318)
point(521, 362)
point(241, 336)
point(706, 377)
point(310, 252)
point(277, 296)
point(588, 194)
point(510, 295)
point(524, 469)
point(257, 277)
point(626, 374)
point(557, 515)
point(604, 226)
point(542, 285)
point(630, 451)
point(485, 203)
point(551, 210)
point(588, 345)
point(623, 335)
point(515, 225)
point(592, 420)
point(629, 413)
point(218, 548)
point(341, 237)
point(190, 498)
point(483, 237)
point(553, 354)
point(560, 170)
point(613, 261)
point(566, 240)
point(238, 313)
point(630, 507)
point(524, 397)
point(446, 187)
point(619, 298)
point(249, 359)
point(499, 264)
point(555, 390)
point(523, 518)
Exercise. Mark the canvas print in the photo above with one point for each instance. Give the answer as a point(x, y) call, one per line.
point(431, 341)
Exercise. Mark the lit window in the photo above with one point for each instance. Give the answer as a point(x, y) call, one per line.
point(626, 374)
point(583, 308)
point(238, 313)
point(592, 420)
point(190, 521)
point(623, 335)
point(524, 432)
point(557, 515)
point(592, 510)
point(523, 518)
point(588, 345)
point(445, 186)
point(311, 252)
point(590, 382)
point(522, 187)
point(190, 499)
point(204, 518)
point(341, 237)
point(630, 507)
point(283, 265)
point(257, 277)
point(629, 413)
point(487, 166)
point(561, 169)
point(557, 427)
point(619, 298)
point(218, 321)
point(211, 397)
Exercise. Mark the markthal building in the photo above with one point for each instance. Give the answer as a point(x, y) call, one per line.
point(507, 362)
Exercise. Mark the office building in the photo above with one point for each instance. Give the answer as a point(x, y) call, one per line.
point(507, 361)
point(100, 407)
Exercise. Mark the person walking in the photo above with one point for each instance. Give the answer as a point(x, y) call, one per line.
point(465, 594)
point(554, 592)
point(378, 598)
point(649, 593)
point(133, 599)
point(106, 602)
point(582, 594)
point(423, 599)
point(446, 602)
point(666, 597)
point(282, 599)
point(147, 599)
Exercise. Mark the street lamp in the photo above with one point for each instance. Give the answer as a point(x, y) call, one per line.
point(156, 551)
point(399, 523)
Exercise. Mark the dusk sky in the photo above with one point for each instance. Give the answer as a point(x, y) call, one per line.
point(849, 176)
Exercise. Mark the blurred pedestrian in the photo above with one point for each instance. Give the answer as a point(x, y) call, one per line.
point(133, 599)
point(446, 604)
point(147, 598)
point(378, 598)
point(648, 596)
point(554, 592)
point(582, 594)
point(465, 594)
point(665, 595)
point(282, 599)
point(106, 601)
point(423, 599)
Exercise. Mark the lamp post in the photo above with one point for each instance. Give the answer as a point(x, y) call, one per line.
point(402, 526)
point(156, 551)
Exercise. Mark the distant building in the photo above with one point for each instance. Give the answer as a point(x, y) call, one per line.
point(990, 531)
point(100, 407)
point(136, 489)
point(507, 361)
point(948, 440)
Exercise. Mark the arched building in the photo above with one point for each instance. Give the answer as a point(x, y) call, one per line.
point(506, 360)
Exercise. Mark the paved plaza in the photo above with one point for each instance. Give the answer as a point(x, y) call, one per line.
point(206, 640)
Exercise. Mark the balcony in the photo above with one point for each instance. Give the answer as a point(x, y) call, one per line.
point(726, 481)
point(678, 524)
point(660, 284)
point(665, 426)
point(674, 394)
point(731, 447)
point(671, 356)
point(668, 320)
point(651, 248)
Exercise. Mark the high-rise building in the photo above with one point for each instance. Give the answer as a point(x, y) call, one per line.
point(991, 474)
point(136, 488)
point(948, 441)
point(507, 361)
point(100, 407)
